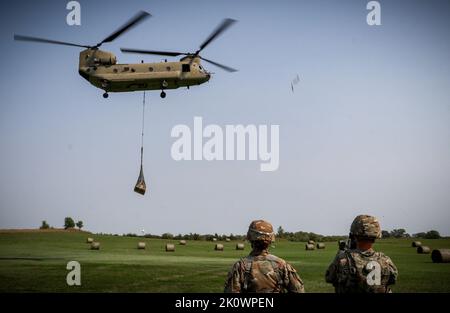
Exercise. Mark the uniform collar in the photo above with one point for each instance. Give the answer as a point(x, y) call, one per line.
point(259, 252)
point(368, 252)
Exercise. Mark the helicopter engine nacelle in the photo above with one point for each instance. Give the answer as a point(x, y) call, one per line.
point(91, 57)
point(104, 58)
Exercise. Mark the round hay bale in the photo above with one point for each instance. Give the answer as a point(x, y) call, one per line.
point(183, 242)
point(170, 247)
point(218, 247)
point(89, 240)
point(227, 239)
point(423, 250)
point(141, 245)
point(311, 242)
point(309, 247)
point(441, 256)
point(320, 245)
point(95, 245)
point(416, 244)
point(240, 246)
point(214, 239)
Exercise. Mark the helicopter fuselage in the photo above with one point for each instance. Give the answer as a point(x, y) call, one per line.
point(101, 70)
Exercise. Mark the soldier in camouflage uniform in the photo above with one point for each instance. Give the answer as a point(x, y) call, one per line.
point(261, 271)
point(359, 269)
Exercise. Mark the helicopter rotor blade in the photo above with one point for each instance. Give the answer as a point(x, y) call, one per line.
point(219, 30)
point(43, 40)
point(224, 67)
point(134, 21)
point(166, 53)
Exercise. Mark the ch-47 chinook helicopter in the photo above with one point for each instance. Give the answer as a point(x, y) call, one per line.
point(100, 67)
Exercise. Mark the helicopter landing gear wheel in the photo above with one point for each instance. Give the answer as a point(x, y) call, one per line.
point(105, 95)
point(163, 94)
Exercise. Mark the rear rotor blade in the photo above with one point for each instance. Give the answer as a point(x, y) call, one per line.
point(224, 67)
point(219, 30)
point(139, 17)
point(43, 40)
point(166, 53)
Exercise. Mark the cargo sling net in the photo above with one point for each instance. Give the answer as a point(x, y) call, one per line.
point(140, 184)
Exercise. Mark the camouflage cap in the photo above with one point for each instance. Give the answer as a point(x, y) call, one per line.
point(366, 226)
point(260, 230)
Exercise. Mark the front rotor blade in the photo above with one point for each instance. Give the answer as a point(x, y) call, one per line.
point(166, 53)
point(43, 40)
point(139, 17)
point(220, 29)
point(224, 67)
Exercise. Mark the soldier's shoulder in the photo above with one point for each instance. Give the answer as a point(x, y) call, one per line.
point(274, 258)
point(383, 257)
point(240, 264)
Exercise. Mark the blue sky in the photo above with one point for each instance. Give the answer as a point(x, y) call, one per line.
point(366, 131)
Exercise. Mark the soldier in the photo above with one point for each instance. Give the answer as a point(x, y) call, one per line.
point(358, 268)
point(261, 271)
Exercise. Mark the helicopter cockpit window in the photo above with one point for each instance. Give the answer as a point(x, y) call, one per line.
point(185, 68)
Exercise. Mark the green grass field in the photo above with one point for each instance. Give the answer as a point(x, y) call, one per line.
point(36, 262)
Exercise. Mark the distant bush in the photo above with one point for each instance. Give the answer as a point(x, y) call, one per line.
point(44, 225)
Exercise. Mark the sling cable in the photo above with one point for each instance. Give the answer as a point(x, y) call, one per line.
point(140, 184)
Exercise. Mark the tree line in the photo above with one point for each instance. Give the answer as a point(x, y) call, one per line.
point(299, 236)
point(305, 236)
point(401, 233)
point(68, 223)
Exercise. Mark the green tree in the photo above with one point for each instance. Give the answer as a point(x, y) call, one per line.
point(80, 225)
point(399, 233)
point(69, 223)
point(280, 232)
point(44, 225)
point(420, 235)
point(167, 236)
point(432, 234)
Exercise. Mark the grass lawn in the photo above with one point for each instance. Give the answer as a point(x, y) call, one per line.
point(36, 261)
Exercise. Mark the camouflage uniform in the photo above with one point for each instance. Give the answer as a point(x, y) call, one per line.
point(357, 271)
point(261, 271)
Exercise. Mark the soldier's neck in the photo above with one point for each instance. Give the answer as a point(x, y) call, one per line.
point(259, 252)
point(364, 245)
